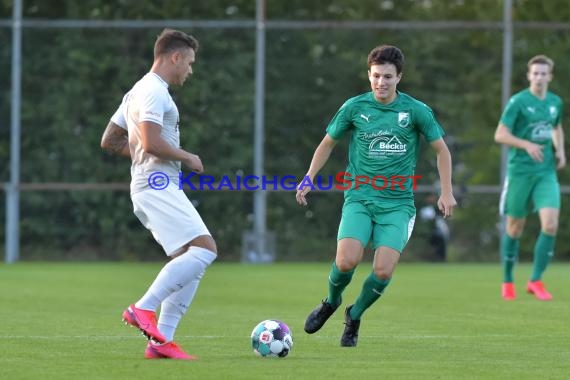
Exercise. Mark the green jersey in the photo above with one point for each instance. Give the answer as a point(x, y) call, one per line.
point(530, 118)
point(384, 145)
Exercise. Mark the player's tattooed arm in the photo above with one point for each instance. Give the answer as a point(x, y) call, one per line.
point(115, 140)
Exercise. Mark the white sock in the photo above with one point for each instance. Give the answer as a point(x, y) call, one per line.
point(175, 275)
point(174, 307)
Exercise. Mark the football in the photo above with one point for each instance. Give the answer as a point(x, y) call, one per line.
point(271, 338)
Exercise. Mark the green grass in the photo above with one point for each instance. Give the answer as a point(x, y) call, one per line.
point(62, 321)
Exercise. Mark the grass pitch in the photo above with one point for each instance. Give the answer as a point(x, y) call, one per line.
point(62, 321)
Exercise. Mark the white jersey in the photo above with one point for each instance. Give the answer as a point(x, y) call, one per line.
point(149, 100)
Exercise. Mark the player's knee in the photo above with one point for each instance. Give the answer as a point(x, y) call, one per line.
point(212, 248)
point(383, 273)
point(515, 230)
point(550, 228)
point(345, 264)
point(206, 242)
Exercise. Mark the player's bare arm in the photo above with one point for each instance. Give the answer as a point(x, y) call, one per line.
point(504, 136)
point(558, 142)
point(115, 140)
point(154, 144)
point(446, 202)
point(320, 158)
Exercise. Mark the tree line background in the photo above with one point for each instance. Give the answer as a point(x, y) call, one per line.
point(73, 80)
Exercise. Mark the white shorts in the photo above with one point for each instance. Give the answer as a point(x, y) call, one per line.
point(170, 216)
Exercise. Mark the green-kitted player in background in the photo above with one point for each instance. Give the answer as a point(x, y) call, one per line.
point(531, 125)
point(385, 127)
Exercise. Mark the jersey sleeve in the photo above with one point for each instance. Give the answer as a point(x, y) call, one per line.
point(510, 113)
point(153, 105)
point(560, 113)
point(427, 124)
point(119, 116)
point(341, 122)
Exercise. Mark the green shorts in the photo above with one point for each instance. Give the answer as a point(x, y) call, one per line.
point(521, 192)
point(387, 224)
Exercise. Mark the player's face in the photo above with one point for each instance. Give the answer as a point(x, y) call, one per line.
point(383, 80)
point(539, 76)
point(183, 65)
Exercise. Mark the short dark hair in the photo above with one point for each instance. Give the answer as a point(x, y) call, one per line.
point(170, 40)
point(386, 54)
point(541, 60)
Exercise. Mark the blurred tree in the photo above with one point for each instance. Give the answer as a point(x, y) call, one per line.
point(73, 80)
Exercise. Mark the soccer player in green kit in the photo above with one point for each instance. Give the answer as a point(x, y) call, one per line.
point(531, 125)
point(385, 126)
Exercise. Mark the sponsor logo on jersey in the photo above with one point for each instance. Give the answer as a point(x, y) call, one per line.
point(386, 146)
point(540, 132)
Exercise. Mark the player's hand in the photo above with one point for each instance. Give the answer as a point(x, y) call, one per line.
point(561, 160)
point(302, 191)
point(535, 151)
point(446, 203)
point(194, 163)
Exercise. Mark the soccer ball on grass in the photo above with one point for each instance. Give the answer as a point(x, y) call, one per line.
point(271, 338)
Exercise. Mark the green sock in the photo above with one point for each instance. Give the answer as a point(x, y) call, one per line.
point(372, 289)
point(509, 256)
point(337, 282)
point(543, 252)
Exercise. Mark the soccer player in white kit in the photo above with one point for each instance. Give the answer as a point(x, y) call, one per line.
point(145, 128)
